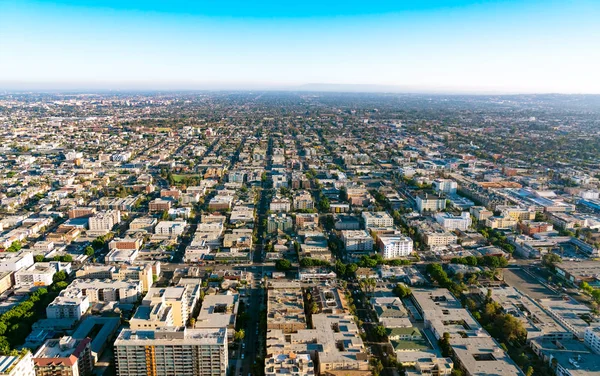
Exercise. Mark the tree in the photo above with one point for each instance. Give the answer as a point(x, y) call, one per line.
point(314, 308)
point(381, 331)
point(529, 371)
point(89, 251)
point(59, 276)
point(239, 335)
point(14, 247)
point(551, 259)
point(283, 265)
point(38, 258)
point(511, 328)
point(402, 291)
point(444, 343)
point(165, 215)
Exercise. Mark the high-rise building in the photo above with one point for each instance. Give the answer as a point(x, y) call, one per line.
point(171, 351)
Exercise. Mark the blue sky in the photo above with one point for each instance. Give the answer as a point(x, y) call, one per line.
point(451, 45)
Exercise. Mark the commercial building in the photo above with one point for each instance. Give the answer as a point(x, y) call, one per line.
point(171, 351)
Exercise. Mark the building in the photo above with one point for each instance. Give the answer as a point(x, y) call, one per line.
point(159, 205)
point(218, 311)
point(13, 261)
point(357, 241)
point(69, 304)
point(480, 213)
point(143, 223)
point(394, 246)
point(65, 356)
point(101, 223)
point(175, 297)
point(280, 204)
point(446, 186)
point(591, 338)
point(377, 219)
point(107, 290)
point(430, 202)
point(290, 364)
point(17, 365)
point(81, 212)
point(170, 228)
point(303, 201)
point(279, 222)
point(285, 307)
point(307, 220)
point(531, 227)
point(452, 222)
point(40, 274)
point(439, 239)
point(502, 222)
point(171, 351)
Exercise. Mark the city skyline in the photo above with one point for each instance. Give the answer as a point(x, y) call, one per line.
point(439, 46)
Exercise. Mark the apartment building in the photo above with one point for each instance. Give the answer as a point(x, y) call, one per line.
point(103, 222)
point(17, 365)
point(446, 186)
point(13, 261)
point(279, 222)
point(430, 202)
point(280, 204)
point(377, 219)
point(357, 241)
point(394, 246)
point(171, 351)
point(70, 303)
point(303, 201)
point(65, 356)
point(452, 222)
point(175, 297)
point(40, 274)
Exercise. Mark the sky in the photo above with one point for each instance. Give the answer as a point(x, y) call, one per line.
point(463, 46)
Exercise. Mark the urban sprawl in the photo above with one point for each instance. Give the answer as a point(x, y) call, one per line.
point(300, 234)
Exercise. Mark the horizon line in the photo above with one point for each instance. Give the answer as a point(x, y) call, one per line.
point(147, 86)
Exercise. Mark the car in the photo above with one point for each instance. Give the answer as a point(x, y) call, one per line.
point(242, 356)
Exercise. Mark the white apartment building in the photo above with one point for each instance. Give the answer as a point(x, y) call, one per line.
point(377, 219)
point(72, 303)
point(591, 338)
point(445, 186)
point(17, 365)
point(280, 204)
point(357, 240)
point(170, 228)
point(40, 274)
point(394, 246)
point(13, 261)
point(108, 290)
point(101, 223)
point(171, 351)
point(430, 202)
point(452, 222)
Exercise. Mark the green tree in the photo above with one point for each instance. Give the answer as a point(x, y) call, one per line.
point(89, 251)
point(38, 258)
point(381, 331)
point(283, 265)
point(59, 276)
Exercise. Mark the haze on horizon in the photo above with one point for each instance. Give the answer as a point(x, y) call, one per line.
point(463, 46)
